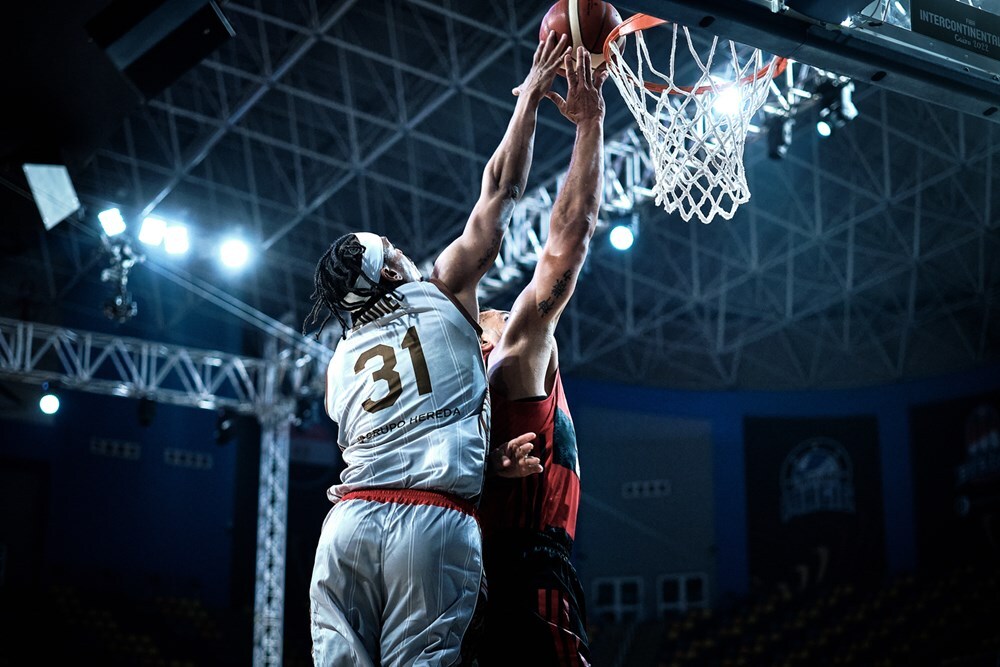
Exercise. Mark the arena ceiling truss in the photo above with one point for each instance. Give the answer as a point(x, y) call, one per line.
point(867, 257)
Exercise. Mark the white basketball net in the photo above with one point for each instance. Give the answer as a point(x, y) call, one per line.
point(696, 137)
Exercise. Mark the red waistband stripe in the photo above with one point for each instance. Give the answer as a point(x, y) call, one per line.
point(414, 497)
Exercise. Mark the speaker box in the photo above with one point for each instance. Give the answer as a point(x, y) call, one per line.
point(153, 42)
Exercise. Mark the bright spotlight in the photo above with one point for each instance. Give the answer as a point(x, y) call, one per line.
point(175, 240)
point(728, 101)
point(824, 128)
point(622, 237)
point(152, 230)
point(234, 253)
point(111, 221)
point(49, 403)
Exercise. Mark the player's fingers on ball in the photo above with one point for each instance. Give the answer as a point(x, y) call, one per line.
point(544, 47)
point(569, 66)
point(563, 46)
point(553, 44)
point(588, 73)
point(601, 75)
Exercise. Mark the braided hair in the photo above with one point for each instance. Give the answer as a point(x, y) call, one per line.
point(336, 277)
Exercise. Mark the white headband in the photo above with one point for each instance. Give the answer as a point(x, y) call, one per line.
point(371, 264)
point(374, 259)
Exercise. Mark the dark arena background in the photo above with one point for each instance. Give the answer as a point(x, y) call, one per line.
point(788, 422)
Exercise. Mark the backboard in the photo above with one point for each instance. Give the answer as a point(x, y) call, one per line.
point(942, 51)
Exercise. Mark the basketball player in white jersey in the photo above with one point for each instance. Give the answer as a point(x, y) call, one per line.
point(399, 562)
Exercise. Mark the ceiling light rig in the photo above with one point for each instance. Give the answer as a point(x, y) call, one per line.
point(120, 307)
point(624, 232)
point(837, 107)
point(171, 237)
point(112, 222)
point(234, 253)
point(803, 88)
point(779, 136)
point(49, 401)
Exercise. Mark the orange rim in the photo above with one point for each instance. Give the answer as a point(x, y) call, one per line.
point(639, 22)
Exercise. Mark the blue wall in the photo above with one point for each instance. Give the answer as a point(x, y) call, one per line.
point(132, 519)
point(148, 517)
point(726, 410)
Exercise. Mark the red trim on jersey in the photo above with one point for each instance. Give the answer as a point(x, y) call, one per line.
point(414, 497)
point(550, 499)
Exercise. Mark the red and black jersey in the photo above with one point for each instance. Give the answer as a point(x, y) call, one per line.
point(542, 502)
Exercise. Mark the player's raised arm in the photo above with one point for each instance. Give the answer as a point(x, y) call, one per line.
point(574, 214)
point(463, 263)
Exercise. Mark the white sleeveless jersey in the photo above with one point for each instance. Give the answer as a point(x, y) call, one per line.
point(408, 391)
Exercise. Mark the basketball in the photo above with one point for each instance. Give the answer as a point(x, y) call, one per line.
point(587, 22)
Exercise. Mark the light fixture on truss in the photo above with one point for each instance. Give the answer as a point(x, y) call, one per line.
point(779, 136)
point(624, 232)
point(120, 307)
point(837, 107)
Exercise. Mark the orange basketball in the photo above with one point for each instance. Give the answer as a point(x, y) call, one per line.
point(587, 22)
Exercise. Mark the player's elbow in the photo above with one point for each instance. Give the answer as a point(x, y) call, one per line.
point(580, 222)
point(500, 185)
point(571, 249)
point(507, 192)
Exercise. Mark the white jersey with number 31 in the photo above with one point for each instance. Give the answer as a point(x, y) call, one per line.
point(408, 391)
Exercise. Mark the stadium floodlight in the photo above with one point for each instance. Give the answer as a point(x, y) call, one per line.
point(622, 237)
point(49, 402)
point(728, 102)
point(234, 253)
point(175, 240)
point(111, 221)
point(152, 230)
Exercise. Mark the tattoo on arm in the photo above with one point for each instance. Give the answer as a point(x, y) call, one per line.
point(490, 253)
point(545, 306)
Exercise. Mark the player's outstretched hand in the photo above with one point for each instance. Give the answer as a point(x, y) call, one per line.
point(513, 458)
point(584, 101)
point(548, 57)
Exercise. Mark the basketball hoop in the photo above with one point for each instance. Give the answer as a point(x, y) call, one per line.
point(696, 133)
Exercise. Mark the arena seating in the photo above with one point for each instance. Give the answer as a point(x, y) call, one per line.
point(912, 620)
point(951, 618)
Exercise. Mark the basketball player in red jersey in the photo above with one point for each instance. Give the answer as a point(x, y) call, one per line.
point(535, 614)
